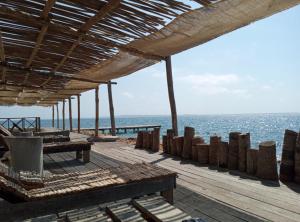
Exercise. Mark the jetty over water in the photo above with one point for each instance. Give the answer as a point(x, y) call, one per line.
point(125, 129)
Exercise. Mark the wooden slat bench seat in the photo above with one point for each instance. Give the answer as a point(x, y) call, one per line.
point(82, 149)
point(62, 192)
point(55, 139)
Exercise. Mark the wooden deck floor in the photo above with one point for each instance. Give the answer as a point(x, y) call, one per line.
point(214, 195)
point(201, 191)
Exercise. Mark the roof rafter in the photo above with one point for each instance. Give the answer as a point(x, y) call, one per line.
point(2, 52)
point(30, 20)
point(203, 2)
point(102, 13)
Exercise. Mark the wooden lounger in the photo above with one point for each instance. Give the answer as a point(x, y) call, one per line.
point(69, 191)
point(82, 149)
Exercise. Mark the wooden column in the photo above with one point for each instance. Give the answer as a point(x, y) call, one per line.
point(70, 114)
point(97, 111)
point(63, 115)
point(53, 116)
point(111, 109)
point(78, 112)
point(57, 117)
point(171, 95)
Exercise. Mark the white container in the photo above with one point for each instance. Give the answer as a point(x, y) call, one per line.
point(26, 153)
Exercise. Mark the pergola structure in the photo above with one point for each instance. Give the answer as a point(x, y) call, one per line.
point(51, 50)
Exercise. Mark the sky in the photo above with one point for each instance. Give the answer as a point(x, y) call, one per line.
point(255, 69)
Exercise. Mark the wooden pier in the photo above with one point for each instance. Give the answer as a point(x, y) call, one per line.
point(125, 129)
point(202, 191)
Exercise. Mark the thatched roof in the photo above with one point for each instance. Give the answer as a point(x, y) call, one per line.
point(50, 50)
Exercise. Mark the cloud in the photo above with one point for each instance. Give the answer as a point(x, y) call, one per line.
point(128, 95)
point(212, 84)
point(266, 87)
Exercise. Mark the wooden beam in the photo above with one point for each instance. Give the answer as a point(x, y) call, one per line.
point(204, 2)
point(2, 52)
point(171, 95)
point(27, 19)
point(70, 114)
point(57, 116)
point(44, 15)
point(63, 115)
point(78, 113)
point(63, 76)
point(3, 75)
point(53, 116)
point(102, 13)
point(111, 110)
point(97, 111)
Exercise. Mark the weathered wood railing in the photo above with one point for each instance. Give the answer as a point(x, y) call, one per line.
point(22, 123)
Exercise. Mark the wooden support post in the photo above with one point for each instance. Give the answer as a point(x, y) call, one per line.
point(70, 114)
point(111, 109)
point(78, 112)
point(171, 95)
point(57, 116)
point(97, 111)
point(63, 115)
point(52, 116)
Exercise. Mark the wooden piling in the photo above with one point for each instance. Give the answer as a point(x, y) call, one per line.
point(150, 135)
point(203, 153)
point(170, 135)
point(97, 111)
point(233, 151)
point(195, 141)
point(78, 113)
point(215, 143)
point(223, 155)
point(165, 143)
point(266, 161)
point(70, 114)
point(156, 139)
point(252, 161)
point(173, 150)
point(244, 145)
point(111, 109)
point(171, 95)
point(139, 140)
point(178, 144)
point(189, 133)
point(287, 165)
point(63, 115)
point(297, 161)
point(146, 141)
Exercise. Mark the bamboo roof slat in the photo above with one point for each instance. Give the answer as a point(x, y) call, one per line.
point(58, 46)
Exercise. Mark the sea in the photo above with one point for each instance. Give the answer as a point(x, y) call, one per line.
point(262, 127)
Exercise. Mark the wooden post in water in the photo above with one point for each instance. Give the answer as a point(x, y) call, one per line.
point(57, 116)
point(111, 109)
point(53, 116)
point(78, 112)
point(97, 111)
point(171, 95)
point(63, 115)
point(70, 114)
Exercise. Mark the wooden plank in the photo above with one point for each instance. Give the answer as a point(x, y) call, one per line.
point(63, 115)
point(233, 189)
point(156, 208)
point(124, 213)
point(92, 213)
point(78, 113)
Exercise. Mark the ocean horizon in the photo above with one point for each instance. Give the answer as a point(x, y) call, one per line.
point(261, 126)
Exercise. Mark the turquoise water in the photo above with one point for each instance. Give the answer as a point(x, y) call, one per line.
point(262, 127)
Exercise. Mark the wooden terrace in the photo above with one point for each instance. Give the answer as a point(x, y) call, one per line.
point(201, 191)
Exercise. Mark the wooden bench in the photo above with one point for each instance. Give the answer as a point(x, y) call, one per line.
point(82, 149)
